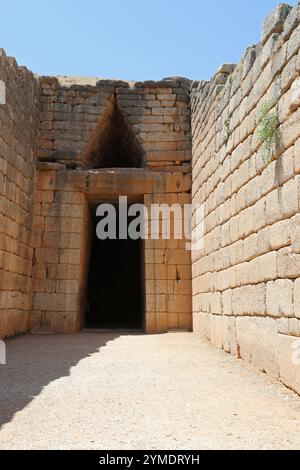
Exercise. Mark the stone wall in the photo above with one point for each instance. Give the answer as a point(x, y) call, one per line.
point(18, 135)
point(82, 122)
point(92, 139)
point(246, 279)
point(67, 128)
point(75, 113)
point(62, 237)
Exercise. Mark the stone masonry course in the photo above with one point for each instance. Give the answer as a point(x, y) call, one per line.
point(231, 145)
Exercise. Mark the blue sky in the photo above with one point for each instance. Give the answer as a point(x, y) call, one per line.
point(130, 39)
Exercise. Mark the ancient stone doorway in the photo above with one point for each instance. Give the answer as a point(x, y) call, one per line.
point(115, 282)
point(113, 143)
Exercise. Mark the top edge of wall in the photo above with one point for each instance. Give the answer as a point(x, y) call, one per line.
point(13, 62)
point(281, 22)
point(69, 81)
point(80, 81)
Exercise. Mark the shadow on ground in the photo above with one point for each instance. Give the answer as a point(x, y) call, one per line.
point(35, 361)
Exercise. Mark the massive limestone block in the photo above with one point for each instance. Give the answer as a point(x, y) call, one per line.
point(295, 95)
point(289, 361)
point(274, 23)
point(291, 21)
point(297, 298)
point(280, 294)
point(295, 233)
point(258, 343)
point(229, 336)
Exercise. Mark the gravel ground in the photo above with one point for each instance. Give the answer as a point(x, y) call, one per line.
point(114, 391)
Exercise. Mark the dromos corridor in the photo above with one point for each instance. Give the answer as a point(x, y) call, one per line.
point(119, 391)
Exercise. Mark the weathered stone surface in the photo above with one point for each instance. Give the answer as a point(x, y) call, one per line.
point(288, 263)
point(178, 138)
point(229, 339)
point(280, 298)
point(297, 297)
point(249, 300)
point(290, 197)
point(258, 343)
point(280, 234)
point(274, 23)
point(291, 22)
point(289, 361)
point(295, 95)
point(295, 233)
point(251, 193)
point(249, 60)
point(19, 121)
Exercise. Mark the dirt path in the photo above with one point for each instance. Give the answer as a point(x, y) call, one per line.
point(104, 391)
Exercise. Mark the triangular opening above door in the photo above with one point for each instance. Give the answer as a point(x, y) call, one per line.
point(113, 143)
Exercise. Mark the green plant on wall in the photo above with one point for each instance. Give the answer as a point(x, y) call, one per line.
point(226, 128)
point(267, 129)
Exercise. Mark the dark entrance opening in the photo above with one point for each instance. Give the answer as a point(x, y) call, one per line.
point(115, 283)
point(113, 143)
